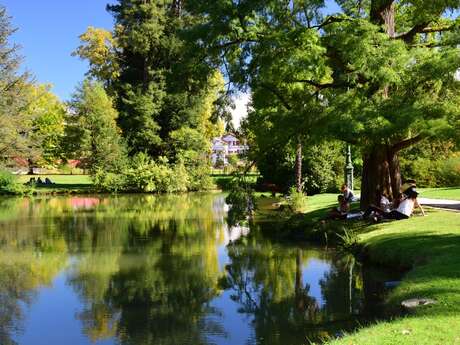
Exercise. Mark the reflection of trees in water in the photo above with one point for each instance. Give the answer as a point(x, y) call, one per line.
point(162, 273)
point(342, 289)
point(145, 271)
point(28, 259)
point(268, 283)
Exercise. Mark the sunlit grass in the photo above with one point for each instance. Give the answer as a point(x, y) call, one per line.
point(431, 246)
point(451, 193)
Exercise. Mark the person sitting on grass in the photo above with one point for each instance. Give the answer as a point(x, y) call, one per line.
point(408, 185)
point(379, 211)
point(341, 211)
point(347, 193)
point(406, 207)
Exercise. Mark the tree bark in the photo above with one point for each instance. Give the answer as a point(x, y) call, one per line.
point(383, 13)
point(298, 167)
point(381, 174)
point(30, 166)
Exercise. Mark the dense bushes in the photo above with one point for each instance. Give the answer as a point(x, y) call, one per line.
point(432, 164)
point(143, 174)
point(322, 166)
point(9, 184)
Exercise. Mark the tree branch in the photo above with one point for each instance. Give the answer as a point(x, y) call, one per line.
point(277, 94)
point(330, 20)
point(319, 86)
point(406, 143)
point(421, 28)
point(231, 43)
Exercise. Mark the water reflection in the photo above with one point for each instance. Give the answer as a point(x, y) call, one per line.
point(162, 270)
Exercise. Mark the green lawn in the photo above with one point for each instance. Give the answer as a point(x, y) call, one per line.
point(62, 183)
point(452, 193)
point(431, 245)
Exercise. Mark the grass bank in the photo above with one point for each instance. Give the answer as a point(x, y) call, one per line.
point(428, 248)
point(431, 247)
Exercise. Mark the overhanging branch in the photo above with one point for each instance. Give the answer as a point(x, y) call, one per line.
point(406, 143)
point(409, 36)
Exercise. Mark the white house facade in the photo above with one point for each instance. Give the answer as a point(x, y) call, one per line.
point(226, 146)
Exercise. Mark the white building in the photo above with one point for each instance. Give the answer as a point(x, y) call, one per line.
point(226, 146)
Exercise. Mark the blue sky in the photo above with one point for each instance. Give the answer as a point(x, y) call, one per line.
point(48, 32)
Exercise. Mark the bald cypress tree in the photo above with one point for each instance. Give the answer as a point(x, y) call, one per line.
point(381, 72)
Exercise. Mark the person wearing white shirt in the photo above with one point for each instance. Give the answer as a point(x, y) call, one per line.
point(405, 208)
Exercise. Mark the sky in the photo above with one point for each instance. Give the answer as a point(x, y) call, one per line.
point(48, 32)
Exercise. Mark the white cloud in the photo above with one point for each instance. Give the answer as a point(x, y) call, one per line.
point(241, 108)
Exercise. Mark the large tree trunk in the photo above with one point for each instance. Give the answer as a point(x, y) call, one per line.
point(298, 167)
point(31, 166)
point(383, 13)
point(381, 174)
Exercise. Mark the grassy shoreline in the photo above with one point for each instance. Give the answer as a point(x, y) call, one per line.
point(426, 248)
point(431, 246)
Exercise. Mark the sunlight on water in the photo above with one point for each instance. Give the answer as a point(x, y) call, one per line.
point(162, 270)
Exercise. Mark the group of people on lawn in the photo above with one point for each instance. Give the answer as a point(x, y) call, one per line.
point(400, 208)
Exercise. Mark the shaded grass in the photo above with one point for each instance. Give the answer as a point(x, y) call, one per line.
point(431, 246)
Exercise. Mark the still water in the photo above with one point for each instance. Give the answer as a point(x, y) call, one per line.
point(163, 270)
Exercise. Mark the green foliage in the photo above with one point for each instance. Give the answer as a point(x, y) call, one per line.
point(297, 200)
point(343, 76)
point(322, 163)
point(433, 163)
point(93, 129)
point(9, 183)
point(48, 124)
point(449, 172)
point(15, 124)
point(108, 182)
point(143, 174)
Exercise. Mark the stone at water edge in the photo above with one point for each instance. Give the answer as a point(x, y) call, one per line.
point(417, 302)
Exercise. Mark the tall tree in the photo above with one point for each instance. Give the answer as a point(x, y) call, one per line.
point(399, 87)
point(265, 47)
point(383, 70)
point(92, 126)
point(15, 124)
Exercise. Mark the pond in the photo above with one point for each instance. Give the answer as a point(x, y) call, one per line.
point(142, 269)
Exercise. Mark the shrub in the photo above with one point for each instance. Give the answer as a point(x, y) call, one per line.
point(109, 182)
point(297, 200)
point(9, 184)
